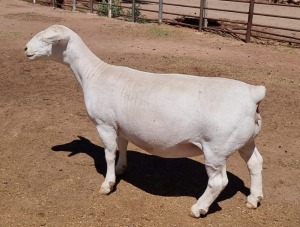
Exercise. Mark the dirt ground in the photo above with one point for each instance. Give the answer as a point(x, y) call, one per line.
point(51, 159)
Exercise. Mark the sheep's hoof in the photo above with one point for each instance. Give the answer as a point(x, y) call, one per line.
point(203, 212)
point(253, 201)
point(250, 205)
point(196, 213)
point(193, 215)
point(106, 189)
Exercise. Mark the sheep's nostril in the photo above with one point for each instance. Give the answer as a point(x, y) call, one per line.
point(25, 48)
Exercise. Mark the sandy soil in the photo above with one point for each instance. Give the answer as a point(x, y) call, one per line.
point(51, 158)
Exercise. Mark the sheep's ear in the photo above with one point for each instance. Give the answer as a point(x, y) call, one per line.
point(54, 36)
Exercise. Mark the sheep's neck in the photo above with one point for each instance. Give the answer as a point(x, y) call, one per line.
point(82, 61)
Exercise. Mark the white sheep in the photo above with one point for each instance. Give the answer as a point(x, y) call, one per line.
point(168, 115)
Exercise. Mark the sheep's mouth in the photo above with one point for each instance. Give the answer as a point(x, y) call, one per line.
point(31, 56)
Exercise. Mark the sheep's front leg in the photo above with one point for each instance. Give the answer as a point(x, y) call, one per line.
point(108, 136)
point(122, 161)
point(254, 161)
point(217, 180)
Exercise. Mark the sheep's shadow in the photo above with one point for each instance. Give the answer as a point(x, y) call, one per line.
point(159, 176)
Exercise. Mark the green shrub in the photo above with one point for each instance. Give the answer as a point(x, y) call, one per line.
point(137, 12)
point(116, 9)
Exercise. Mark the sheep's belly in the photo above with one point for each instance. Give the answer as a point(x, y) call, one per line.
point(178, 151)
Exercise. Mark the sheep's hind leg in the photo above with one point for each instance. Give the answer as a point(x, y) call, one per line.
point(217, 180)
point(254, 161)
point(122, 161)
point(109, 139)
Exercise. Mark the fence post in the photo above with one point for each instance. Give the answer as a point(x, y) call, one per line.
point(91, 6)
point(205, 22)
point(34, 1)
point(53, 3)
point(250, 19)
point(160, 11)
point(109, 8)
point(133, 11)
point(74, 5)
point(201, 15)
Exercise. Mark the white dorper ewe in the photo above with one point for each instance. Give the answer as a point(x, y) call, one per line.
point(168, 115)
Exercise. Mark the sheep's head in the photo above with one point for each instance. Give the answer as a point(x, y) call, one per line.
point(49, 42)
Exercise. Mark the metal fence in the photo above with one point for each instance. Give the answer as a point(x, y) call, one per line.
point(205, 16)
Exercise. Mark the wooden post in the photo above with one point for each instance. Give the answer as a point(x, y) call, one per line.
point(250, 19)
point(201, 16)
point(133, 11)
point(205, 21)
point(91, 6)
point(160, 11)
point(74, 5)
point(109, 8)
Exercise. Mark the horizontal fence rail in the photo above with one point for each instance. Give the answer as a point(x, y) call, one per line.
point(205, 17)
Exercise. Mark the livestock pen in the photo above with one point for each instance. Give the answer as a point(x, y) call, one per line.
point(244, 19)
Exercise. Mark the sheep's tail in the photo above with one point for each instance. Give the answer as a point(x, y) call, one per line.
point(258, 93)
